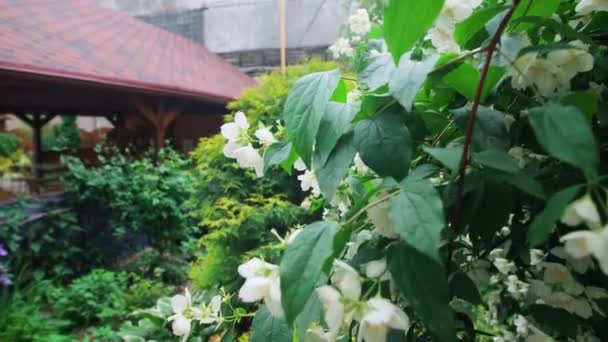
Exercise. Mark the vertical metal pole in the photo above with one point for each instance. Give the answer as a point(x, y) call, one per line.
point(283, 38)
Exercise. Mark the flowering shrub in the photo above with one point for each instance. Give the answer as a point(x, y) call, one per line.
point(463, 191)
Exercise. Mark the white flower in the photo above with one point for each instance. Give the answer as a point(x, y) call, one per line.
point(521, 325)
point(360, 166)
point(210, 313)
point(379, 316)
point(581, 210)
point(585, 7)
point(299, 165)
point(536, 257)
point(341, 48)
point(581, 265)
point(496, 253)
point(183, 313)
point(376, 269)
point(308, 181)
point(353, 247)
point(293, 235)
point(347, 280)
point(317, 334)
point(331, 300)
point(261, 282)
point(459, 10)
point(359, 22)
point(529, 69)
point(237, 130)
point(265, 136)
point(516, 287)
point(378, 215)
point(442, 37)
point(556, 273)
point(571, 61)
point(504, 266)
point(249, 158)
point(540, 289)
point(353, 95)
point(581, 244)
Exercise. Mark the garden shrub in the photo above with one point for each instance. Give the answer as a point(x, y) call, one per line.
point(98, 296)
point(132, 197)
point(152, 264)
point(24, 315)
point(236, 209)
point(62, 137)
point(9, 143)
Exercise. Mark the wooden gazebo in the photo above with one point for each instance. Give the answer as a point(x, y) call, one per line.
point(72, 57)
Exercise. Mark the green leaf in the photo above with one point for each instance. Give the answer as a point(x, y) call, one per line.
point(527, 184)
point(564, 30)
point(385, 145)
point(544, 9)
point(463, 287)
point(340, 95)
point(269, 328)
point(498, 160)
point(305, 107)
point(302, 264)
point(406, 81)
point(465, 30)
point(558, 320)
point(544, 223)
point(421, 280)
point(448, 156)
point(489, 130)
point(492, 211)
point(278, 154)
point(566, 135)
point(332, 172)
point(229, 334)
point(312, 312)
point(417, 214)
point(586, 101)
point(334, 124)
point(406, 21)
point(465, 80)
point(378, 72)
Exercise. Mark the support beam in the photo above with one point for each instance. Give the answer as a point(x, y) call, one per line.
point(36, 121)
point(159, 118)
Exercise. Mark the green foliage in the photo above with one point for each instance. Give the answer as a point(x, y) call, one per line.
point(302, 265)
point(405, 22)
point(269, 328)
point(144, 292)
point(134, 196)
point(62, 137)
point(9, 143)
point(237, 228)
point(264, 103)
point(95, 297)
point(152, 264)
point(23, 316)
point(305, 107)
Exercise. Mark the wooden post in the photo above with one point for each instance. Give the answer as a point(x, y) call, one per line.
point(160, 120)
point(36, 121)
point(283, 37)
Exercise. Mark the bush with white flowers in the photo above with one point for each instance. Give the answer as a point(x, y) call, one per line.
point(460, 179)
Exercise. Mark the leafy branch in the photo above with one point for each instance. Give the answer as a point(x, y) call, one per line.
point(464, 159)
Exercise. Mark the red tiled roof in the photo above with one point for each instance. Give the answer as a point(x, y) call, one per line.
point(79, 40)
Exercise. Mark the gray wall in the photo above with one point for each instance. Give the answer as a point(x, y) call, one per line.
point(242, 25)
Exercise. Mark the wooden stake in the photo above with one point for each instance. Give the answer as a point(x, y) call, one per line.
point(283, 38)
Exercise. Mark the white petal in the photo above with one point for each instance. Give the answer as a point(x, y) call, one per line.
point(230, 131)
point(181, 326)
point(373, 333)
point(375, 269)
point(299, 165)
point(241, 120)
point(254, 289)
point(252, 268)
point(334, 309)
point(229, 149)
point(179, 303)
point(578, 243)
point(347, 280)
point(273, 299)
point(265, 136)
point(215, 304)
